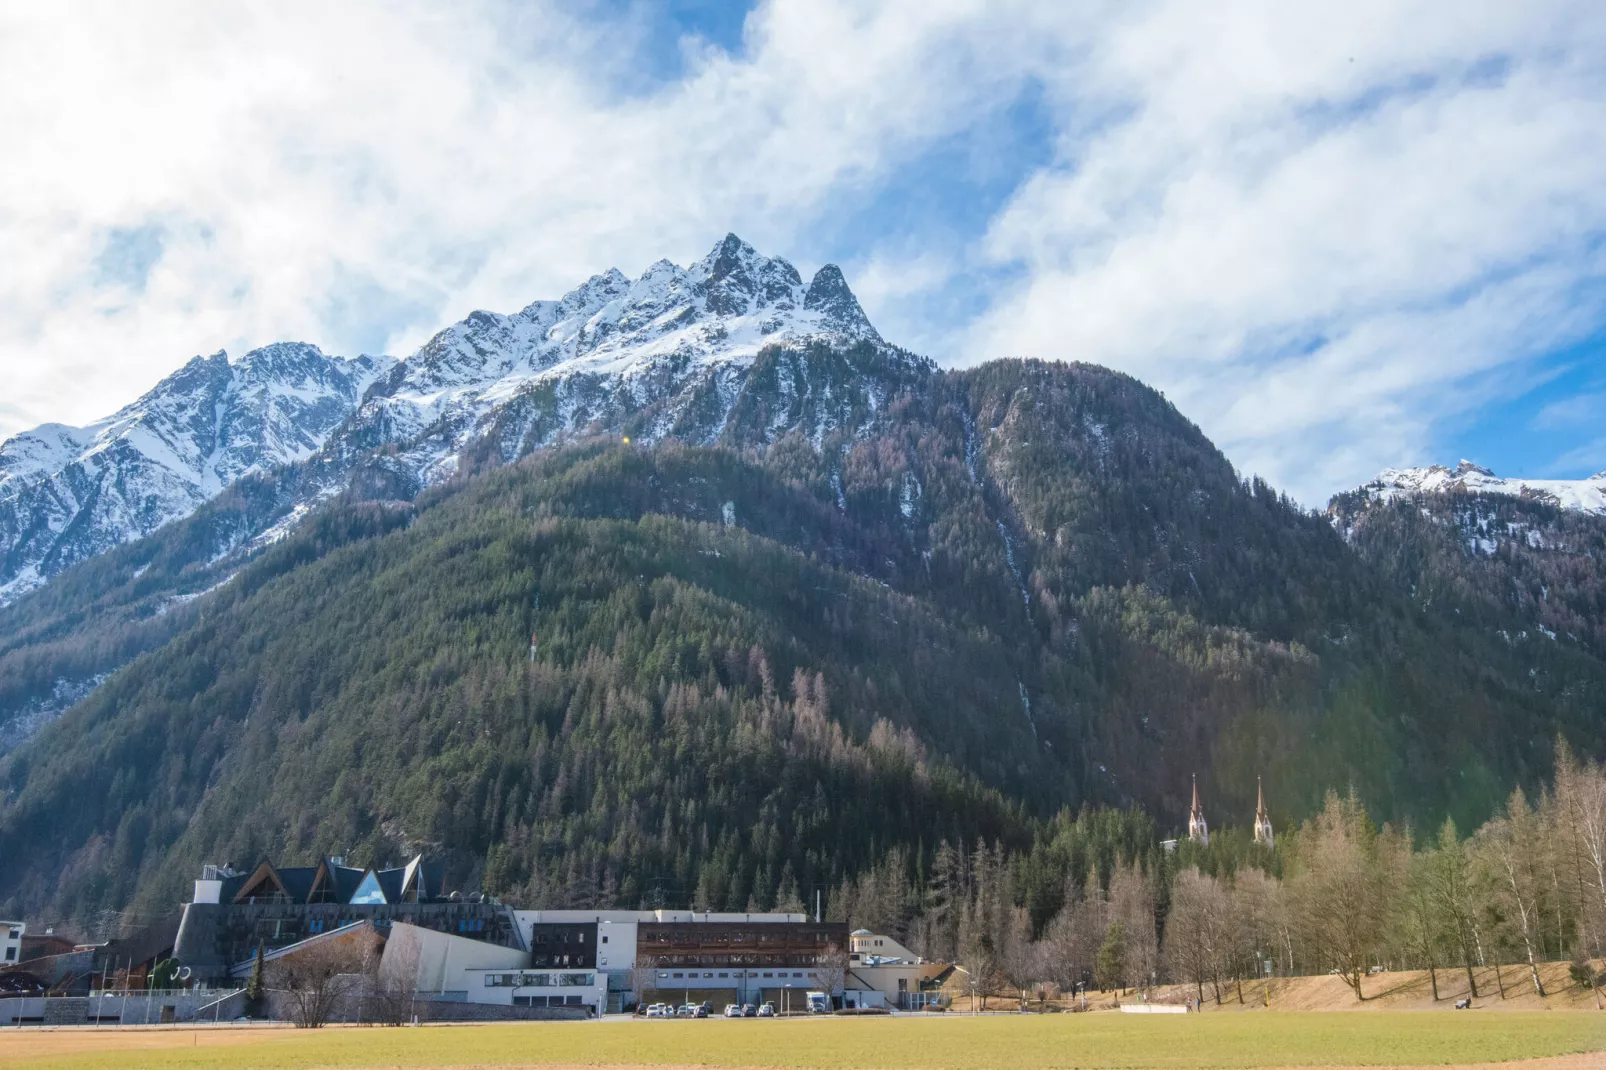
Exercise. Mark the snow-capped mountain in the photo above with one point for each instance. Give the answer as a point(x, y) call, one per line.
point(667, 354)
point(1584, 495)
point(610, 348)
point(68, 493)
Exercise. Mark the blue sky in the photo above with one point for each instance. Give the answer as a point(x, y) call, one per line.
point(1340, 236)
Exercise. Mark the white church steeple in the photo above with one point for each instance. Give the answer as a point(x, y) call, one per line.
point(1262, 819)
point(1198, 831)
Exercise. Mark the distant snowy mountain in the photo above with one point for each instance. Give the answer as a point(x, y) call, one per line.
point(667, 354)
point(1585, 495)
point(68, 493)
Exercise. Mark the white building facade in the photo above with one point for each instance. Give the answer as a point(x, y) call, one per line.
point(11, 933)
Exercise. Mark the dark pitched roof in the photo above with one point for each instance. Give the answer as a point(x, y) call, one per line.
point(419, 880)
point(347, 878)
point(263, 882)
point(298, 882)
point(390, 882)
point(433, 882)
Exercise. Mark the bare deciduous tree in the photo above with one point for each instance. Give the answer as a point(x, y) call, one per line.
point(1415, 922)
point(831, 969)
point(1449, 888)
point(1132, 903)
point(1195, 930)
point(1337, 890)
point(1256, 925)
point(315, 979)
point(644, 976)
point(1510, 850)
point(393, 982)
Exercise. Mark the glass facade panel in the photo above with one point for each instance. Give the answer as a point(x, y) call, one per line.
point(369, 892)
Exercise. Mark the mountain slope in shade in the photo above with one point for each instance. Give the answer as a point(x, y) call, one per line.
point(992, 593)
point(69, 493)
point(1521, 560)
point(1585, 495)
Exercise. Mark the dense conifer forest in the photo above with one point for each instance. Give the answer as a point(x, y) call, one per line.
point(989, 627)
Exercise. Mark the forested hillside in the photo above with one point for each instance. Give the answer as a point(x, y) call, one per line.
point(881, 607)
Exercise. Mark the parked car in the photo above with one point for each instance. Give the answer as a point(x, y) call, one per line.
point(701, 1011)
point(748, 1010)
point(658, 1010)
point(819, 1003)
point(767, 1010)
point(733, 1010)
point(687, 1010)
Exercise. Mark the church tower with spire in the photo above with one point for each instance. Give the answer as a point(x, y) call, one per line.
point(1262, 819)
point(1198, 831)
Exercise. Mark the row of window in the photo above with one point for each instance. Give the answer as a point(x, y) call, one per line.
point(470, 925)
point(319, 925)
point(692, 975)
point(733, 938)
point(750, 961)
point(540, 980)
point(562, 938)
point(547, 1001)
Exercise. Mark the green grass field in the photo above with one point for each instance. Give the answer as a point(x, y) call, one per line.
point(956, 1043)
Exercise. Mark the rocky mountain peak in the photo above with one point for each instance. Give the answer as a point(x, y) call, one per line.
point(739, 281)
point(829, 295)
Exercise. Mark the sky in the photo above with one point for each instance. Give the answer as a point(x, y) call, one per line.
point(1338, 236)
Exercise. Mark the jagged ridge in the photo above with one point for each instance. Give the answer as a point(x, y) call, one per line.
point(675, 343)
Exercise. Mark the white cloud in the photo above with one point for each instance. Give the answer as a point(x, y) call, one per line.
point(1585, 457)
point(1320, 228)
point(434, 159)
point(1587, 410)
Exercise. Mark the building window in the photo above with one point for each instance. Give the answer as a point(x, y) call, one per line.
point(11, 954)
point(605, 939)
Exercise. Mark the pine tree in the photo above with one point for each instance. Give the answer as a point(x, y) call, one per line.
point(253, 986)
